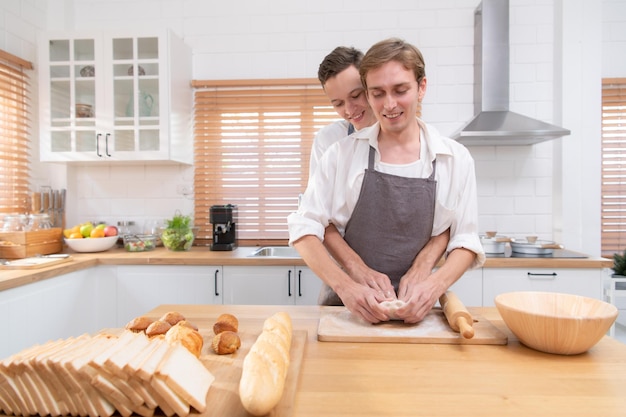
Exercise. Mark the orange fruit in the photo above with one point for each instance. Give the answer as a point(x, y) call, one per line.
point(76, 235)
point(97, 232)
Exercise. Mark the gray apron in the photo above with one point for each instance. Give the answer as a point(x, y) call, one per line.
point(391, 223)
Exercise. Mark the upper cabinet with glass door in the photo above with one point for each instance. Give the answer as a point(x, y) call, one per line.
point(115, 98)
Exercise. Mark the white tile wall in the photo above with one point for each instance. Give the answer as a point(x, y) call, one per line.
point(517, 186)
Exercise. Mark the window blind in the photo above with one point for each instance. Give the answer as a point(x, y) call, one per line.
point(14, 134)
point(613, 166)
point(252, 147)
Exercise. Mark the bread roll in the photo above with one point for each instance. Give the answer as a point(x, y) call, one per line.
point(265, 367)
point(188, 337)
point(226, 322)
point(172, 317)
point(187, 324)
point(157, 328)
point(139, 324)
point(225, 343)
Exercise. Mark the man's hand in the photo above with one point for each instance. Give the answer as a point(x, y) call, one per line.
point(421, 293)
point(363, 301)
point(420, 297)
point(354, 265)
point(375, 280)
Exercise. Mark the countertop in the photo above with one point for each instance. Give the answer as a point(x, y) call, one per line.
point(240, 256)
point(386, 379)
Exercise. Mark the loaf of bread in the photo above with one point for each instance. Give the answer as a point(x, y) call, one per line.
point(265, 367)
point(104, 375)
point(225, 343)
point(186, 336)
point(226, 322)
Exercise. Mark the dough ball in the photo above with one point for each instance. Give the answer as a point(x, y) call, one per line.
point(390, 307)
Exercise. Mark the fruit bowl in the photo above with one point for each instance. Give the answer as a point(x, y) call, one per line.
point(92, 244)
point(564, 324)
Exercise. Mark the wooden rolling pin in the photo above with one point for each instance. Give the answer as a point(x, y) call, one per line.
point(458, 317)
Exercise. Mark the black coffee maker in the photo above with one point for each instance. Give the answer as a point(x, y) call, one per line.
point(224, 219)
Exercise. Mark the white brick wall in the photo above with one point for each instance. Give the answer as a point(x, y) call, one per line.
point(286, 38)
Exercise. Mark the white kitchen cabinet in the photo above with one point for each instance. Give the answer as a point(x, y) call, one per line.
point(270, 285)
point(60, 307)
point(469, 288)
point(141, 288)
point(585, 282)
point(122, 97)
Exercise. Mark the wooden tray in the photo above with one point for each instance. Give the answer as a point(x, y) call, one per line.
point(337, 324)
point(223, 398)
point(33, 263)
point(17, 245)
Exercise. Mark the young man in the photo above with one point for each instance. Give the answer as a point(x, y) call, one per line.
point(404, 184)
point(339, 76)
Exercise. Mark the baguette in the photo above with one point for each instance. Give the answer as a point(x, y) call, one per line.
point(265, 366)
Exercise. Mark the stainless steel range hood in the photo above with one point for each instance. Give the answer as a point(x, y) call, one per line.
point(494, 123)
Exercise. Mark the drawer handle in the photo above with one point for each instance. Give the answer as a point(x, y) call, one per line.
point(106, 144)
point(217, 294)
point(300, 283)
point(533, 275)
point(98, 144)
point(289, 283)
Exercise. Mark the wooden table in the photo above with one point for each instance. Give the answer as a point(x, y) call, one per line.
point(380, 379)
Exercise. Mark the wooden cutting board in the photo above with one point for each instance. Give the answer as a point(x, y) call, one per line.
point(337, 324)
point(223, 397)
point(34, 262)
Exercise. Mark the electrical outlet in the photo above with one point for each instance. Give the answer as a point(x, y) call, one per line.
point(183, 189)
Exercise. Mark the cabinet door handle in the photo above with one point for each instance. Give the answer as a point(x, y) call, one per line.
point(533, 275)
point(98, 145)
point(289, 283)
point(106, 144)
point(215, 281)
point(299, 283)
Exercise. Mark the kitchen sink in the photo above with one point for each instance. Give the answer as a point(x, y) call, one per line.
point(275, 252)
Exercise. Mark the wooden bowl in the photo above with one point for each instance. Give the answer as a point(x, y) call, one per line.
point(564, 324)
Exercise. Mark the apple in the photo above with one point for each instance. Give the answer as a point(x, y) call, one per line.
point(86, 229)
point(110, 231)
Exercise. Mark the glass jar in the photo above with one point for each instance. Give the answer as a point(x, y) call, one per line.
point(125, 227)
point(15, 223)
point(38, 221)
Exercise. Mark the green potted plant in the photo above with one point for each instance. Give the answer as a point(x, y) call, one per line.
point(619, 264)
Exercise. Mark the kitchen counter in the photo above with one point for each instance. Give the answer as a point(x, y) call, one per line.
point(203, 256)
point(379, 379)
